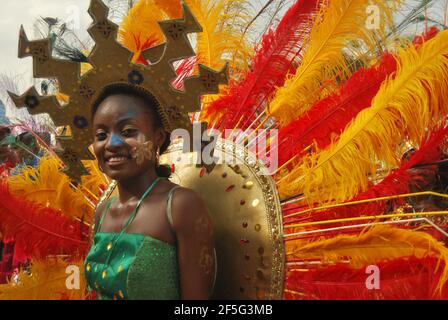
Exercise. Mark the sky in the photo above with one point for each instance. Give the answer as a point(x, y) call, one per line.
point(18, 12)
point(24, 12)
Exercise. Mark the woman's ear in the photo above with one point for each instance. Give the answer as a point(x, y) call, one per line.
point(160, 136)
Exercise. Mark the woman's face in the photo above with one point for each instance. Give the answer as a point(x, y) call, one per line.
point(125, 138)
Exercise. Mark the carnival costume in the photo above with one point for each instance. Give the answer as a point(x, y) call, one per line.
point(359, 111)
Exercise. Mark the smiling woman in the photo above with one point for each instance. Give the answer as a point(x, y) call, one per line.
point(137, 124)
point(145, 245)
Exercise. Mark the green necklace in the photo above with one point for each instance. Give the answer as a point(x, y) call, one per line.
point(111, 244)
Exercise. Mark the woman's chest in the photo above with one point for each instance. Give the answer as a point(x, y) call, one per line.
point(134, 266)
point(150, 220)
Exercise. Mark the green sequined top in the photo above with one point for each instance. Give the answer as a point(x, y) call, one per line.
point(131, 265)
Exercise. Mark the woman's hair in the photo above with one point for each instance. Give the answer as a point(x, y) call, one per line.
point(151, 104)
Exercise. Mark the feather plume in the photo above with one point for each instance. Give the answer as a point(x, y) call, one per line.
point(404, 107)
point(140, 30)
point(408, 278)
point(95, 182)
point(184, 69)
point(222, 39)
point(338, 24)
point(47, 186)
point(328, 117)
point(37, 230)
point(172, 8)
point(46, 280)
point(275, 57)
point(379, 243)
point(397, 182)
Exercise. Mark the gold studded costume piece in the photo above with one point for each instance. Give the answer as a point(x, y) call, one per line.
point(111, 65)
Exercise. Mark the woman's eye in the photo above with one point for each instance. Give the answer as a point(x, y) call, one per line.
point(100, 136)
point(128, 132)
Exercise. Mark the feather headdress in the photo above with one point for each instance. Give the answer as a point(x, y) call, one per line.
point(38, 230)
point(398, 182)
point(47, 279)
point(324, 61)
point(407, 278)
point(48, 186)
point(404, 107)
point(276, 56)
point(327, 118)
point(140, 29)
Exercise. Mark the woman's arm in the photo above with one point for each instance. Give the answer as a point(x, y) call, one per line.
point(195, 241)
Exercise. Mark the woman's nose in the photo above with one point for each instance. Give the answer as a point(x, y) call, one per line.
point(115, 141)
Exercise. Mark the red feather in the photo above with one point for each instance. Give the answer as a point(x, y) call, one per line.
point(39, 231)
point(427, 35)
point(328, 117)
point(406, 278)
point(397, 182)
point(274, 59)
point(183, 70)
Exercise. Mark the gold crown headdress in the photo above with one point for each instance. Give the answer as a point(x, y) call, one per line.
point(111, 64)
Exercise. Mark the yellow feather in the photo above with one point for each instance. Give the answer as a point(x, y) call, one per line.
point(404, 107)
point(340, 23)
point(48, 186)
point(45, 281)
point(222, 39)
point(378, 244)
point(62, 98)
point(95, 181)
point(172, 8)
point(140, 29)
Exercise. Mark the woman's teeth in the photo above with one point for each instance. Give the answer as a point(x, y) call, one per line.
point(116, 159)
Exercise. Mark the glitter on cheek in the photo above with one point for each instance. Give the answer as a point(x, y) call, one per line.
point(143, 151)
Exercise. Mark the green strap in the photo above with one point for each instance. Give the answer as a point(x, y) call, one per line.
point(134, 213)
point(131, 218)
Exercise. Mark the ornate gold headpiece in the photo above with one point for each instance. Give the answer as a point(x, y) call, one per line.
point(111, 64)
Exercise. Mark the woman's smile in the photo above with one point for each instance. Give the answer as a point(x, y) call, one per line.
point(116, 160)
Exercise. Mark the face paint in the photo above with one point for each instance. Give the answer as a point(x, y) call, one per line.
point(206, 260)
point(143, 151)
point(204, 230)
point(116, 141)
point(203, 227)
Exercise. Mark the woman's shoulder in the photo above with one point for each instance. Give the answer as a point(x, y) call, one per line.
point(181, 194)
point(188, 206)
point(185, 197)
